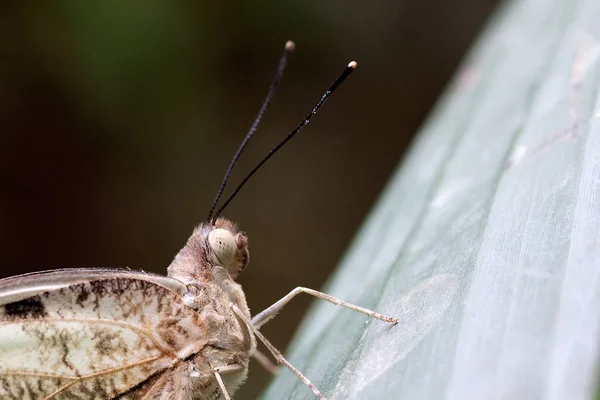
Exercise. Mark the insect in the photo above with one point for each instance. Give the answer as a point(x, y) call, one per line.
point(121, 334)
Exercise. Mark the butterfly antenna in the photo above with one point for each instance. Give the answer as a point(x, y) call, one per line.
point(289, 48)
point(347, 71)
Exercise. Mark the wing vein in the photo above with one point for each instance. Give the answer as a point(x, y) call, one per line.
point(96, 374)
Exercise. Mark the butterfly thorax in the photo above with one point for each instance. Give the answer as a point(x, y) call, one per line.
point(229, 340)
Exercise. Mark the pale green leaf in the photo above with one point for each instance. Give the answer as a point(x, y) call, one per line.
point(486, 243)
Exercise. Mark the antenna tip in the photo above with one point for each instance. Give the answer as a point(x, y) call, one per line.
point(290, 45)
point(353, 64)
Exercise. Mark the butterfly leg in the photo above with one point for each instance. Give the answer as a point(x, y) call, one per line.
point(265, 362)
point(217, 371)
point(278, 356)
point(263, 317)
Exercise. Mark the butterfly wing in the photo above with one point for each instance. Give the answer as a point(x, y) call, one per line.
point(22, 286)
point(92, 333)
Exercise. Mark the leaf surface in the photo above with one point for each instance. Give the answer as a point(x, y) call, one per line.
point(486, 243)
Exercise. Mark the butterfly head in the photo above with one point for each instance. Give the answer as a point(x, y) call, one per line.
point(212, 244)
point(228, 246)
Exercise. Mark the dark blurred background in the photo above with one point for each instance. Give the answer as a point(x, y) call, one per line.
point(119, 118)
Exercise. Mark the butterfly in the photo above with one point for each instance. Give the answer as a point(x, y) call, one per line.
point(93, 333)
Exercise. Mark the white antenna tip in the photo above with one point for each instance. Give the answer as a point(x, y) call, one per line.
point(353, 64)
point(290, 45)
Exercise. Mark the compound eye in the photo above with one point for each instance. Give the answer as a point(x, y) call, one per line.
point(222, 243)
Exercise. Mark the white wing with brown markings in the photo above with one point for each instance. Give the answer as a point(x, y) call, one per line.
point(85, 334)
